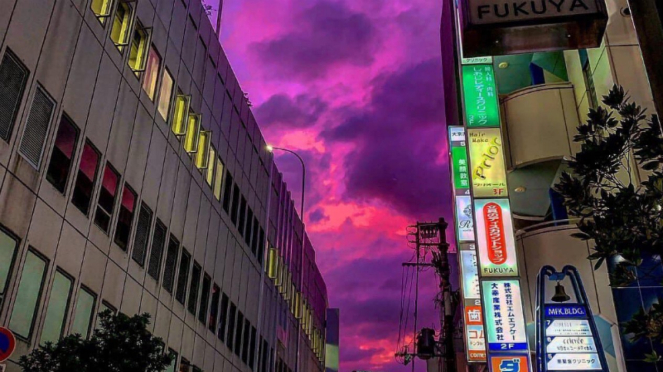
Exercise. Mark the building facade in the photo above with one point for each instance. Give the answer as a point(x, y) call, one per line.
point(543, 97)
point(134, 177)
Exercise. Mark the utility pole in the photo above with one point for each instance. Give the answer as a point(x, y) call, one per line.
point(441, 264)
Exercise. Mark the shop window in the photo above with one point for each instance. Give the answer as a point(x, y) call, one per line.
point(84, 312)
point(218, 179)
point(171, 263)
point(214, 310)
point(87, 173)
point(203, 151)
point(238, 333)
point(227, 191)
point(122, 25)
point(204, 299)
point(8, 246)
point(165, 94)
point(138, 53)
point(142, 234)
point(211, 163)
point(36, 127)
point(194, 287)
point(223, 316)
point(106, 203)
point(192, 136)
point(231, 326)
point(126, 217)
point(183, 277)
point(242, 216)
point(102, 9)
point(156, 254)
point(28, 295)
point(180, 114)
point(151, 79)
point(56, 310)
point(13, 78)
point(63, 154)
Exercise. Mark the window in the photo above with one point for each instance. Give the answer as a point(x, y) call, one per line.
point(223, 317)
point(7, 255)
point(209, 173)
point(165, 94)
point(263, 355)
point(106, 202)
point(181, 114)
point(63, 152)
point(254, 238)
point(84, 312)
point(102, 9)
point(151, 78)
point(261, 245)
point(214, 311)
point(194, 286)
point(218, 179)
point(122, 25)
point(204, 299)
point(56, 310)
point(245, 341)
point(36, 127)
point(173, 364)
point(249, 224)
point(87, 172)
point(235, 205)
point(588, 76)
point(192, 136)
point(252, 346)
point(103, 307)
point(185, 366)
point(203, 152)
point(138, 53)
point(124, 221)
point(183, 276)
point(231, 326)
point(238, 333)
point(171, 263)
point(242, 216)
point(142, 234)
point(27, 297)
point(227, 191)
point(13, 77)
point(156, 255)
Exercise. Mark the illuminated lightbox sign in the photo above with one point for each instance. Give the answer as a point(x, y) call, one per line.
point(485, 12)
point(464, 222)
point(474, 334)
point(505, 321)
point(497, 251)
point(487, 163)
point(569, 342)
point(480, 96)
point(470, 271)
point(509, 363)
point(461, 170)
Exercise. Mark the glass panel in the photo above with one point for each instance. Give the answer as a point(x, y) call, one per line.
point(242, 216)
point(138, 51)
point(193, 288)
point(221, 334)
point(238, 333)
point(218, 179)
point(106, 201)
point(101, 9)
point(152, 73)
point(181, 114)
point(165, 94)
point(173, 364)
point(192, 136)
point(245, 341)
point(142, 234)
point(231, 326)
point(124, 221)
point(121, 25)
point(227, 190)
point(103, 307)
point(185, 366)
point(211, 158)
point(204, 299)
point(171, 262)
point(235, 205)
point(85, 179)
point(27, 298)
point(214, 310)
point(63, 152)
point(183, 277)
point(83, 313)
point(156, 254)
point(202, 154)
point(7, 251)
point(56, 311)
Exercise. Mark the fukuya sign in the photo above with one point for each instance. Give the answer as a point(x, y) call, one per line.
point(497, 251)
point(498, 11)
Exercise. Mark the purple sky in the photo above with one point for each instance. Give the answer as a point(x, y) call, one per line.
point(355, 88)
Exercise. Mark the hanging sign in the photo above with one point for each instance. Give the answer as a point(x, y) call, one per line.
point(480, 96)
point(459, 164)
point(504, 315)
point(487, 162)
point(497, 251)
point(474, 332)
point(509, 363)
point(471, 289)
point(464, 221)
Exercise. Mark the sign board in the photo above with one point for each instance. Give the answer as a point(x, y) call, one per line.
point(459, 164)
point(475, 337)
point(509, 363)
point(504, 315)
point(476, 60)
point(470, 271)
point(497, 251)
point(480, 96)
point(487, 12)
point(464, 221)
point(487, 162)
point(7, 343)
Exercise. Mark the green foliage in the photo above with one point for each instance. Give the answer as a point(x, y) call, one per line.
point(122, 344)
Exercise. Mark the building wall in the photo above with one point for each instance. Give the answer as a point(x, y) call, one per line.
point(69, 55)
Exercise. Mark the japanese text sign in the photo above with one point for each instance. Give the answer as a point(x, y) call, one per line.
point(497, 251)
point(480, 96)
point(505, 321)
point(487, 163)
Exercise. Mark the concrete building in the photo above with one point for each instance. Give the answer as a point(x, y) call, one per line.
point(543, 97)
point(134, 177)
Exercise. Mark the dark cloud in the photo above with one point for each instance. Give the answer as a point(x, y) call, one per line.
point(399, 136)
point(301, 111)
point(349, 355)
point(318, 215)
point(326, 34)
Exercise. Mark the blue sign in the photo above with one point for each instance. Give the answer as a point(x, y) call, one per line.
point(564, 311)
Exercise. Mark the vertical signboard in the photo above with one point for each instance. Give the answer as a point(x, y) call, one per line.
point(497, 250)
point(487, 161)
point(504, 313)
point(480, 94)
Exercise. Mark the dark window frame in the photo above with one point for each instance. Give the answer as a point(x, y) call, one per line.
point(93, 180)
point(38, 304)
point(123, 245)
point(21, 94)
point(63, 188)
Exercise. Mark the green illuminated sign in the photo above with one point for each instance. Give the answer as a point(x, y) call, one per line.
point(480, 95)
point(460, 167)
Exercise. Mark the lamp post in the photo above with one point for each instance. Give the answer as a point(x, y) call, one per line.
point(301, 208)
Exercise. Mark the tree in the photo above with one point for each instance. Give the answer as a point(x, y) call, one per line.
point(122, 344)
point(623, 218)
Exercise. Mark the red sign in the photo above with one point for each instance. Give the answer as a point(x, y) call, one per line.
point(473, 315)
point(494, 223)
point(509, 363)
point(7, 344)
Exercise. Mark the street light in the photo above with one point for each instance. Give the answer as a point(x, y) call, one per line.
point(271, 149)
